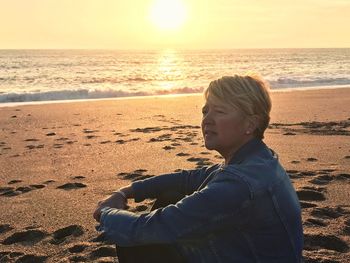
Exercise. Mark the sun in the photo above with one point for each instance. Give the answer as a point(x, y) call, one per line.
point(168, 14)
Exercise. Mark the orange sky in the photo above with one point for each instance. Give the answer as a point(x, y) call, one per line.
point(209, 24)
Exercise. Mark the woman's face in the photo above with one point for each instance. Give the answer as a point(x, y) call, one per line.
point(224, 129)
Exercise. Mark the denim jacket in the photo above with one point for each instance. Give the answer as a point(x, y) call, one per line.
point(246, 211)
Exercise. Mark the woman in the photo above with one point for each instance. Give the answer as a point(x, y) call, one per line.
point(244, 210)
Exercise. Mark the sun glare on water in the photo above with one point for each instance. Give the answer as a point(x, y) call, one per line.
point(168, 14)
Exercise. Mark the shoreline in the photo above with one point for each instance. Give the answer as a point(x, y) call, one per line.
point(280, 90)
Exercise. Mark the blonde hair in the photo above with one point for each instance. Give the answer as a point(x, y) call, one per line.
point(248, 94)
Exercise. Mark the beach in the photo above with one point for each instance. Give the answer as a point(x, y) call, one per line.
point(58, 160)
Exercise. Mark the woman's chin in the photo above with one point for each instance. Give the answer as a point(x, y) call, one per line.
point(209, 146)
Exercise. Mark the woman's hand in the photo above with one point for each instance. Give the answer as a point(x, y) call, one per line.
point(116, 200)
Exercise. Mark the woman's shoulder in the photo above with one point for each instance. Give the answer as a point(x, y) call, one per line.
point(257, 173)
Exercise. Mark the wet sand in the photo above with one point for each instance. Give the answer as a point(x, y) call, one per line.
point(58, 160)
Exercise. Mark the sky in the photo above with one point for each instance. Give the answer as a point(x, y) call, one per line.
point(205, 24)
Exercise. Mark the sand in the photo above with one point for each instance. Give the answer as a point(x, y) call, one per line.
point(58, 160)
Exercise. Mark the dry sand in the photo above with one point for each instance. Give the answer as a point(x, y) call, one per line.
point(58, 160)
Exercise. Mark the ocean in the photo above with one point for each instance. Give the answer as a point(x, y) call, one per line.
point(46, 75)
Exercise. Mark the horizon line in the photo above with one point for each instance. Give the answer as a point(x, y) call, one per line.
point(174, 48)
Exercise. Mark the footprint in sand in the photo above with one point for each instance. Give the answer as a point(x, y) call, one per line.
point(135, 176)
point(322, 179)
point(147, 129)
point(5, 228)
point(7, 148)
point(308, 173)
point(91, 137)
point(183, 154)
point(30, 147)
point(76, 258)
point(295, 174)
point(346, 230)
point(71, 186)
point(8, 256)
point(19, 257)
point(5, 189)
point(200, 162)
point(120, 141)
point(328, 170)
point(167, 147)
point(78, 248)
point(89, 131)
point(29, 188)
point(315, 222)
point(31, 140)
point(342, 176)
point(79, 177)
point(140, 171)
point(320, 241)
point(32, 258)
point(314, 188)
point(100, 238)
point(307, 204)
point(328, 212)
point(60, 235)
point(37, 186)
point(161, 138)
point(49, 181)
point(312, 159)
point(10, 191)
point(29, 237)
point(310, 195)
point(194, 159)
point(289, 133)
point(62, 139)
point(103, 251)
point(15, 181)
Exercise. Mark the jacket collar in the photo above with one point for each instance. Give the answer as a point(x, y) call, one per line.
point(246, 150)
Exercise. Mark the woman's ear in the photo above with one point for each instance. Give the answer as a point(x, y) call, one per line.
point(252, 124)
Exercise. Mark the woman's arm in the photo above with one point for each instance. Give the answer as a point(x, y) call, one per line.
point(193, 217)
point(185, 182)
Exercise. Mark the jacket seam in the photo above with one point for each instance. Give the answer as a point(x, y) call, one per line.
point(276, 207)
